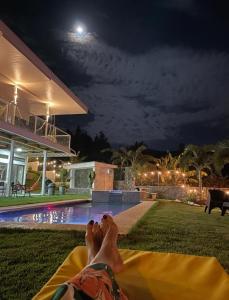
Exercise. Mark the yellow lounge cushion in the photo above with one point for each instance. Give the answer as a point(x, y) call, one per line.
point(154, 275)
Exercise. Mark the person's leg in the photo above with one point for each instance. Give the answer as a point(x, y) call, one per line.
point(108, 253)
point(93, 239)
point(96, 279)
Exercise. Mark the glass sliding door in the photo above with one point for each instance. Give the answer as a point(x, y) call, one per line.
point(17, 176)
point(3, 171)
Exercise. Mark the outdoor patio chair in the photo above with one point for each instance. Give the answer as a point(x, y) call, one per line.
point(14, 189)
point(20, 188)
point(225, 207)
point(153, 275)
point(216, 199)
point(26, 190)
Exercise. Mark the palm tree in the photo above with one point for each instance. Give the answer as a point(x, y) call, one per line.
point(137, 159)
point(166, 164)
point(132, 158)
point(221, 156)
point(119, 157)
point(200, 158)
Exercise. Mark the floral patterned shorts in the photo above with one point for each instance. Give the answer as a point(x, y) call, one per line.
point(95, 282)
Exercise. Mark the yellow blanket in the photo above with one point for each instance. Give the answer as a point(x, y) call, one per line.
point(153, 275)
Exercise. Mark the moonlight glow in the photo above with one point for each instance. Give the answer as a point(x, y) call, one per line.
point(79, 29)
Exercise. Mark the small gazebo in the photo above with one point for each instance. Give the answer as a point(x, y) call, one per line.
point(87, 176)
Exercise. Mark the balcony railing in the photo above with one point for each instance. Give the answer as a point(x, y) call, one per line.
point(10, 113)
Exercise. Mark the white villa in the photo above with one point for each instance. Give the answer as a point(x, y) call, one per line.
point(30, 97)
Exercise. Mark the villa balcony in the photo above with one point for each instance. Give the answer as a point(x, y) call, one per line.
point(16, 120)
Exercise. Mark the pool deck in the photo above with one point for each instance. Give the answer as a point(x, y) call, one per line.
point(128, 218)
point(125, 220)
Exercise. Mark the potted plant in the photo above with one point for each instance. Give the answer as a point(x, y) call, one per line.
point(91, 179)
point(64, 176)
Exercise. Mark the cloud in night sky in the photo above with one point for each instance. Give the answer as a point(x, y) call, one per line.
point(152, 70)
point(152, 96)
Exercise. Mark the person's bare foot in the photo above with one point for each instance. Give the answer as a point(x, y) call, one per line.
point(109, 244)
point(93, 239)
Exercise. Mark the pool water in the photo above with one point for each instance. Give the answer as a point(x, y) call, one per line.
point(71, 213)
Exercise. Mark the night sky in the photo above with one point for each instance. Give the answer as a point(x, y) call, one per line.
point(155, 71)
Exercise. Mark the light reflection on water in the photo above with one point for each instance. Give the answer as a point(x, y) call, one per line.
point(78, 213)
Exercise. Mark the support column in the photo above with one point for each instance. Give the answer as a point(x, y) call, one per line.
point(25, 169)
point(44, 173)
point(9, 169)
point(72, 178)
point(47, 121)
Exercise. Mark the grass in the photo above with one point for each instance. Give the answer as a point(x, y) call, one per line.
point(20, 200)
point(30, 257)
point(177, 227)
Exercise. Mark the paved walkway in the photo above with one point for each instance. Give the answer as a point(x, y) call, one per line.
point(128, 218)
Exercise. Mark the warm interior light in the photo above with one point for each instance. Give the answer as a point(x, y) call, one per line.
point(19, 149)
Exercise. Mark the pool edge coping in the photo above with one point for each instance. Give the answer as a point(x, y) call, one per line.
point(34, 205)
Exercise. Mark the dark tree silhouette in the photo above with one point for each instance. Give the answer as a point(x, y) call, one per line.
point(89, 147)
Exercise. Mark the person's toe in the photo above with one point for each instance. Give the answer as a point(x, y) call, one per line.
point(106, 222)
point(89, 229)
point(95, 228)
point(97, 233)
point(107, 218)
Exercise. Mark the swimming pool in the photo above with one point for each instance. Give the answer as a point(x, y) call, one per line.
point(70, 213)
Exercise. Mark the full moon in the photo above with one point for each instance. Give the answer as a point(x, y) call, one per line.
point(79, 29)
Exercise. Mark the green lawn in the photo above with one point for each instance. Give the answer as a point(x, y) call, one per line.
point(20, 200)
point(29, 257)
